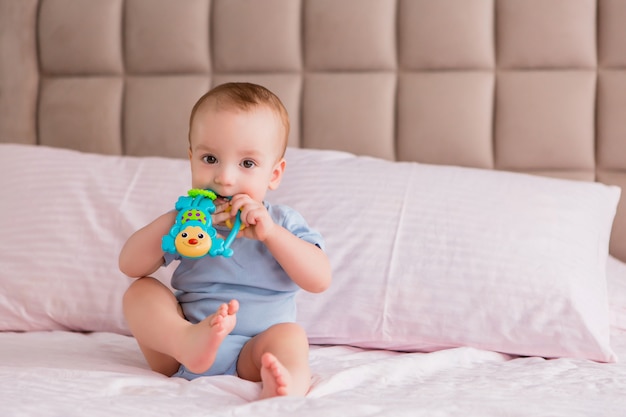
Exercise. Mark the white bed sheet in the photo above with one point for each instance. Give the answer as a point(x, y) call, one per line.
point(104, 374)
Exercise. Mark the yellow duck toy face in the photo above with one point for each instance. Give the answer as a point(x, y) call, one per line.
point(193, 242)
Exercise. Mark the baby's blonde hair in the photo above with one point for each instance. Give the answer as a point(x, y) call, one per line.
point(244, 96)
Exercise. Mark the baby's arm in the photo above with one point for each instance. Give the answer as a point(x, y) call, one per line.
point(306, 264)
point(142, 253)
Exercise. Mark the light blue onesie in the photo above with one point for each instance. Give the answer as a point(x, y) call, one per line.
point(265, 293)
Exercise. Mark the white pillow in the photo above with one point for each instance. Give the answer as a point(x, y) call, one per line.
point(424, 257)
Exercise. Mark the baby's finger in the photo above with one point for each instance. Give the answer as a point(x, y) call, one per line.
point(236, 205)
point(254, 215)
point(219, 208)
point(220, 217)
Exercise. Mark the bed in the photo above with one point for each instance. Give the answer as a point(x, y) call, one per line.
point(464, 160)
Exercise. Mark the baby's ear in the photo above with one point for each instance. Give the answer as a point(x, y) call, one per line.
point(277, 174)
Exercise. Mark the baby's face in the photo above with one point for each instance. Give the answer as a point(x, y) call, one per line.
point(236, 152)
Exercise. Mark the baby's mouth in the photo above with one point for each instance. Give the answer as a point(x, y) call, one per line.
point(221, 199)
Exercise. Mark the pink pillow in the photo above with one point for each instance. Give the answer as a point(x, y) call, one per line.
point(431, 257)
point(65, 216)
point(616, 279)
point(424, 257)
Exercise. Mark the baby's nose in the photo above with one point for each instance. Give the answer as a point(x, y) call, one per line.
point(225, 176)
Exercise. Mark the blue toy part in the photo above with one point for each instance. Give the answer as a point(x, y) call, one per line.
point(234, 230)
point(192, 235)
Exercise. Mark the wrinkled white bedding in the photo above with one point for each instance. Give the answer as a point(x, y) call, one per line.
point(104, 374)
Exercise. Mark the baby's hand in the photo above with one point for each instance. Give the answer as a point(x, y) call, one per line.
point(222, 212)
point(254, 215)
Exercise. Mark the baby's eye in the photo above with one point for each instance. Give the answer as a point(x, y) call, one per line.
point(247, 163)
point(209, 159)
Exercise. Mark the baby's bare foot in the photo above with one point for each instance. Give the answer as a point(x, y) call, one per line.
point(276, 379)
point(199, 347)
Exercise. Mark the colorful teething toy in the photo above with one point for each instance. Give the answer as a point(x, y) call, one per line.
point(231, 225)
point(192, 235)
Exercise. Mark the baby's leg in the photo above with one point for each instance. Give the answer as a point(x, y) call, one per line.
point(202, 340)
point(279, 357)
point(165, 337)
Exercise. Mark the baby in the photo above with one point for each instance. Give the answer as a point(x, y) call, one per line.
point(233, 316)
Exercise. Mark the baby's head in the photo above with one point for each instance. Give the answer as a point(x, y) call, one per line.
point(246, 97)
point(237, 140)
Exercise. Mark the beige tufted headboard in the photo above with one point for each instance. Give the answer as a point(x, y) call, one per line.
point(534, 85)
